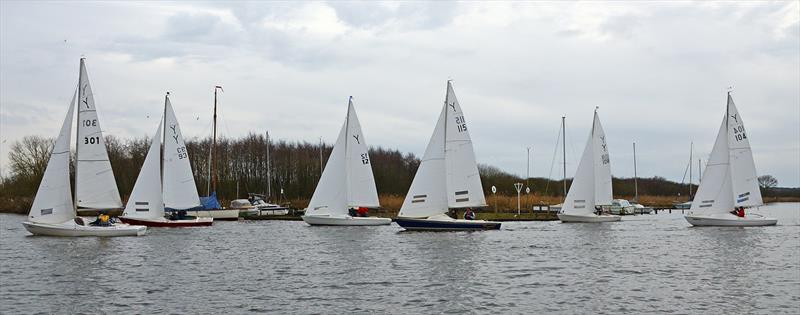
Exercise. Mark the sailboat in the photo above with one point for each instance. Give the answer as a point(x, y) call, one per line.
point(54, 211)
point(729, 180)
point(178, 192)
point(591, 186)
point(346, 182)
point(447, 177)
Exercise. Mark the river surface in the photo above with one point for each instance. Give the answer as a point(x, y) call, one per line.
point(644, 264)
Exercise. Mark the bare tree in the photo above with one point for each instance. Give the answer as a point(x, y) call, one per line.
point(767, 182)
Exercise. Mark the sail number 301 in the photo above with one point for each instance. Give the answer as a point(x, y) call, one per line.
point(91, 140)
point(738, 133)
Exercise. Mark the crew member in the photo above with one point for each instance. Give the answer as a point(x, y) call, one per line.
point(363, 211)
point(469, 214)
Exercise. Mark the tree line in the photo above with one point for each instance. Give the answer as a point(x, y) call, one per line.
point(295, 168)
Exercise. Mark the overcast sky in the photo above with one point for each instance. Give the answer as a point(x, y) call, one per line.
point(659, 73)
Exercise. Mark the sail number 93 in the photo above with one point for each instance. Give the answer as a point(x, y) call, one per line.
point(182, 153)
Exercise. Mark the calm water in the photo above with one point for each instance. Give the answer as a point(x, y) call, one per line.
point(643, 264)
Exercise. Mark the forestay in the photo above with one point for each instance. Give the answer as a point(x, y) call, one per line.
point(53, 201)
point(94, 179)
point(146, 200)
point(180, 191)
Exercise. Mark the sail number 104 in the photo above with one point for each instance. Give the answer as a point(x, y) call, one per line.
point(738, 133)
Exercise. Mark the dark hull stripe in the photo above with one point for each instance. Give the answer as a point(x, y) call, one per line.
point(433, 225)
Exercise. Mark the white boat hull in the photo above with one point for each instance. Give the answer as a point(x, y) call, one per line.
point(219, 214)
point(727, 219)
point(592, 218)
point(345, 220)
point(72, 229)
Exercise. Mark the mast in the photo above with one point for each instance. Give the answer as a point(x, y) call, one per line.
point(691, 148)
point(77, 127)
point(346, 156)
point(269, 173)
point(212, 174)
point(163, 140)
point(635, 177)
point(444, 146)
point(564, 152)
point(699, 169)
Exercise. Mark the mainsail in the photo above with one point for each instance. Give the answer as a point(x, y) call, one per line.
point(448, 174)
point(94, 179)
point(180, 191)
point(53, 201)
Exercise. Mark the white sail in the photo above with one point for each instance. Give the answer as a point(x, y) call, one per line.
point(744, 180)
point(361, 188)
point(591, 185)
point(53, 201)
point(464, 187)
point(603, 193)
point(448, 174)
point(580, 198)
point(330, 196)
point(180, 191)
point(715, 194)
point(427, 195)
point(95, 186)
point(146, 200)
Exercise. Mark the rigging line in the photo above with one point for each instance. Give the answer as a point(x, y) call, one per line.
point(553, 161)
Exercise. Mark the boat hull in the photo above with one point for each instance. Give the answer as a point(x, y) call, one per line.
point(169, 223)
point(218, 214)
point(428, 224)
point(345, 220)
point(570, 218)
point(727, 219)
point(72, 229)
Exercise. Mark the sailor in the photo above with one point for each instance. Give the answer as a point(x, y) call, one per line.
point(363, 211)
point(740, 213)
point(102, 219)
point(469, 214)
point(352, 212)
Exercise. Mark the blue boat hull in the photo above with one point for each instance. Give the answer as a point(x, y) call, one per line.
point(442, 225)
